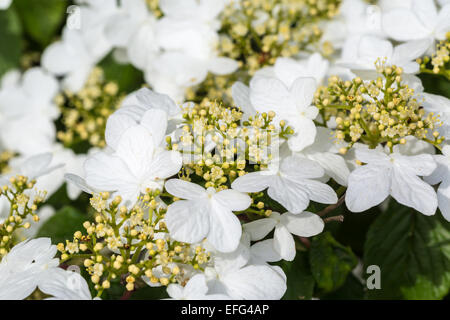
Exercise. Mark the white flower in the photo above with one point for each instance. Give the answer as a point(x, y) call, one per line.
point(64, 285)
point(396, 175)
point(195, 289)
point(132, 27)
point(22, 269)
point(133, 109)
point(291, 184)
point(305, 224)
point(233, 276)
point(188, 37)
point(325, 152)
point(288, 70)
point(420, 20)
point(205, 214)
point(442, 175)
point(27, 111)
point(4, 4)
point(292, 104)
point(137, 163)
point(365, 51)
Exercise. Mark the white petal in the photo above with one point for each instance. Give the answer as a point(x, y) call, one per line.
point(258, 229)
point(305, 224)
point(136, 149)
point(116, 125)
point(234, 200)
point(443, 194)
point(264, 251)
point(252, 182)
point(305, 133)
point(164, 165)
point(184, 189)
point(255, 282)
point(284, 243)
point(303, 90)
point(187, 220)
point(222, 66)
point(368, 186)
point(196, 286)
point(403, 25)
point(155, 121)
point(412, 191)
point(292, 196)
point(225, 229)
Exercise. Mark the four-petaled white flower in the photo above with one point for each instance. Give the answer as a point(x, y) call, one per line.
point(24, 267)
point(234, 276)
point(394, 174)
point(205, 214)
point(291, 184)
point(305, 224)
point(418, 19)
point(137, 163)
point(62, 284)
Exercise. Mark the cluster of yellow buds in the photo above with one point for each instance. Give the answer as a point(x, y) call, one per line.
point(5, 157)
point(131, 245)
point(439, 62)
point(218, 146)
point(259, 31)
point(382, 111)
point(84, 113)
point(23, 205)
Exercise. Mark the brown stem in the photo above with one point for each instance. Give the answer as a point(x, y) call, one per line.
point(126, 295)
point(332, 207)
point(339, 218)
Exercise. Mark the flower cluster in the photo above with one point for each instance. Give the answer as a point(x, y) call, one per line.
point(113, 245)
point(226, 149)
point(22, 206)
point(84, 112)
point(438, 62)
point(381, 111)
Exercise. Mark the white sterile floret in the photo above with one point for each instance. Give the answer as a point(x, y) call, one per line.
point(305, 224)
point(133, 110)
point(22, 269)
point(234, 276)
point(291, 184)
point(205, 214)
point(290, 103)
point(442, 175)
point(362, 53)
point(195, 289)
point(325, 152)
point(394, 174)
point(418, 19)
point(138, 162)
point(27, 111)
point(62, 284)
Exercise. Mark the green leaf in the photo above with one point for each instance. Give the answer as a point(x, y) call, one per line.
point(330, 261)
point(11, 43)
point(300, 282)
point(41, 19)
point(127, 77)
point(413, 253)
point(62, 225)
